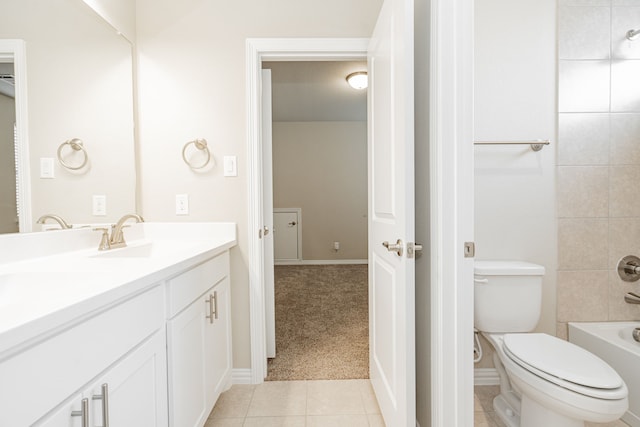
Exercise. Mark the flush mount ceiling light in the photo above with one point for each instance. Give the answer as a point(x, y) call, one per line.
point(358, 80)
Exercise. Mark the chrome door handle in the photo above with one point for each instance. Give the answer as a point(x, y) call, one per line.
point(266, 230)
point(104, 397)
point(215, 305)
point(83, 412)
point(394, 247)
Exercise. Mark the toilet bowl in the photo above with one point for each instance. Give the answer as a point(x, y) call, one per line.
point(545, 381)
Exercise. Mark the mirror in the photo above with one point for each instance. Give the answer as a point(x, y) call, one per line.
point(73, 79)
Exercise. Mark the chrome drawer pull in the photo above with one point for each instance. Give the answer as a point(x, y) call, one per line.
point(83, 412)
point(104, 397)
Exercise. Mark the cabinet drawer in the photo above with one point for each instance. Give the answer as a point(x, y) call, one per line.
point(35, 381)
point(186, 287)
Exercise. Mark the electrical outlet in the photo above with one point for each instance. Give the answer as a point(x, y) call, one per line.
point(99, 205)
point(336, 246)
point(182, 204)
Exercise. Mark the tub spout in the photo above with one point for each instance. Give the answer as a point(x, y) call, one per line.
point(632, 298)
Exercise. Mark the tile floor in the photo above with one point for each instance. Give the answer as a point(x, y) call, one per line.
point(484, 415)
point(341, 403)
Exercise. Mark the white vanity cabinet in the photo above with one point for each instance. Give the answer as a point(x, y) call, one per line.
point(122, 346)
point(135, 390)
point(198, 338)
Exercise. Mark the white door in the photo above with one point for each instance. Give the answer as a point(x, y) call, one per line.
point(391, 213)
point(267, 217)
point(286, 234)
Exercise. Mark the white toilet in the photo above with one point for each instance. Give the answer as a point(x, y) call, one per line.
point(544, 381)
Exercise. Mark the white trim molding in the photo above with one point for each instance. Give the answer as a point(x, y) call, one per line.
point(451, 199)
point(241, 376)
point(486, 376)
point(274, 49)
point(15, 50)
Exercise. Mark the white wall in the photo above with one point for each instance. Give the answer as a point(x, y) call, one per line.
point(515, 98)
point(192, 85)
point(321, 167)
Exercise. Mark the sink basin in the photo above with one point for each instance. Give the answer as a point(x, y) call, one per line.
point(143, 250)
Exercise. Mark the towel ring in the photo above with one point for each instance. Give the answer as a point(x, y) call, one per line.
point(200, 144)
point(76, 145)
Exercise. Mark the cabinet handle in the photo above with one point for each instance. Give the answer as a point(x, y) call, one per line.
point(83, 412)
point(105, 404)
point(215, 304)
point(210, 302)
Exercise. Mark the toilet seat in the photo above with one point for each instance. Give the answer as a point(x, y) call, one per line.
point(564, 364)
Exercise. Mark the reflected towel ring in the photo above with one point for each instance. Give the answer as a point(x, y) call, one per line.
point(76, 145)
point(200, 144)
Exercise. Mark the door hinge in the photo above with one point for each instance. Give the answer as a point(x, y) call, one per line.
point(469, 249)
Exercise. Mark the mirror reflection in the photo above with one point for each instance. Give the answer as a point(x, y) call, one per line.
point(79, 85)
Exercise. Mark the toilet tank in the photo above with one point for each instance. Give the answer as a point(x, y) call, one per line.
point(507, 295)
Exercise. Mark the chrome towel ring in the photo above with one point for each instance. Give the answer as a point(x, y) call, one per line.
point(76, 145)
point(200, 144)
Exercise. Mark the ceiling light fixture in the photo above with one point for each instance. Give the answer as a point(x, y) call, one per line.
point(358, 80)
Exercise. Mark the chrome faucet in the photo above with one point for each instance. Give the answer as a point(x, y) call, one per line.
point(117, 237)
point(632, 298)
point(56, 218)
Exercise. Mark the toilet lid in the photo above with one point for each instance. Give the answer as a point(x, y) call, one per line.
point(562, 363)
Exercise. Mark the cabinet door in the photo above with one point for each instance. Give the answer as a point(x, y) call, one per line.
point(218, 344)
point(186, 352)
point(137, 388)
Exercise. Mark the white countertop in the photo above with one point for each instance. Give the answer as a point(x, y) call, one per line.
point(50, 279)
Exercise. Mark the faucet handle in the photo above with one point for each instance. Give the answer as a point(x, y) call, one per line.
point(105, 244)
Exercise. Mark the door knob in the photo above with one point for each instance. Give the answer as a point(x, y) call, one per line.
point(396, 247)
point(412, 249)
point(292, 224)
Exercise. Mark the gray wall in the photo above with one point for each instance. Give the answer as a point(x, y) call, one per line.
point(8, 212)
point(321, 167)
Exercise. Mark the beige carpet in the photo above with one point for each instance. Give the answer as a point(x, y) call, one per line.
point(322, 323)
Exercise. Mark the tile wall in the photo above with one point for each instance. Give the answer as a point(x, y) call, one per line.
point(598, 157)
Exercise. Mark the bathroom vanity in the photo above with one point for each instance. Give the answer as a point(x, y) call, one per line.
point(135, 336)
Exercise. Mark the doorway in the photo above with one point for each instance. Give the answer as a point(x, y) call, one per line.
point(319, 173)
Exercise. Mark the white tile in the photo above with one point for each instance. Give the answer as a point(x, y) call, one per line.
point(334, 398)
point(583, 241)
point(583, 86)
point(583, 191)
point(624, 19)
point(623, 181)
point(338, 421)
point(625, 86)
point(233, 403)
point(224, 422)
point(279, 398)
point(626, 2)
point(625, 139)
point(275, 421)
point(584, 2)
point(583, 139)
point(584, 32)
point(369, 397)
point(376, 420)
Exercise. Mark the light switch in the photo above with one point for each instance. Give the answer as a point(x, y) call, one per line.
point(46, 168)
point(230, 166)
point(182, 204)
point(99, 205)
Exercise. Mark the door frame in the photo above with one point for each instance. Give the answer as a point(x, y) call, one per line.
point(274, 49)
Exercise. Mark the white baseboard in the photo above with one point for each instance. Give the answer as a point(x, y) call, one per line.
point(322, 262)
point(241, 376)
point(485, 376)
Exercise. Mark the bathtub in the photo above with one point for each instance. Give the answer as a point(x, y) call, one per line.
point(613, 343)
